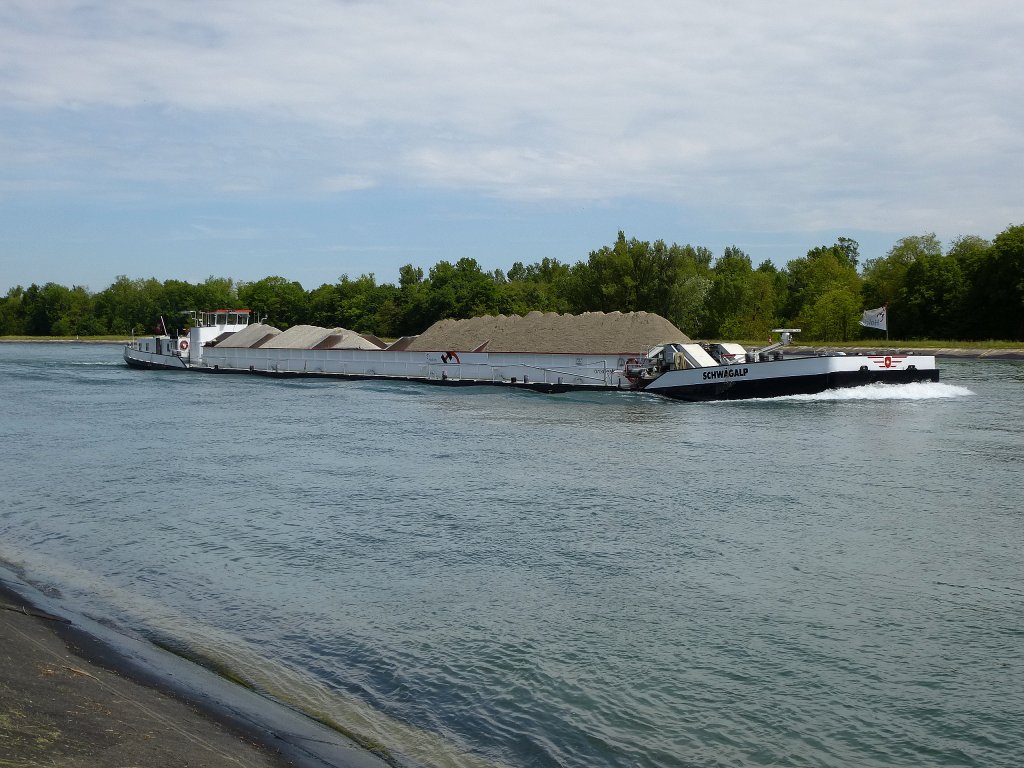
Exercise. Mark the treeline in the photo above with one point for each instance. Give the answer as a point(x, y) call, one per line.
point(973, 290)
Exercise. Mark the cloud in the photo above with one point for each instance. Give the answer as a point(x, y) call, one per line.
point(792, 114)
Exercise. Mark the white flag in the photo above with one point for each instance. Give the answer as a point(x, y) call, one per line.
point(875, 318)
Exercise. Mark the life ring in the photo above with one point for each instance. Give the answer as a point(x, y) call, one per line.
point(183, 345)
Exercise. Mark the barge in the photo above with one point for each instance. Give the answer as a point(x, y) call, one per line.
point(226, 341)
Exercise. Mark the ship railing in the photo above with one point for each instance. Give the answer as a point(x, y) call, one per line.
point(574, 374)
point(405, 370)
point(440, 371)
point(557, 374)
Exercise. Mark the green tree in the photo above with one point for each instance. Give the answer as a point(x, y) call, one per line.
point(849, 249)
point(387, 315)
point(885, 278)
point(129, 305)
point(633, 275)
point(630, 276)
point(932, 298)
point(324, 306)
point(832, 316)
point(214, 293)
point(411, 307)
point(56, 310)
point(460, 290)
point(281, 301)
point(972, 254)
point(177, 298)
point(689, 287)
point(608, 281)
point(12, 317)
point(540, 286)
point(76, 316)
point(357, 302)
point(824, 292)
point(1002, 281)
point(366, 307)
point(823, 270)
point(742, 301)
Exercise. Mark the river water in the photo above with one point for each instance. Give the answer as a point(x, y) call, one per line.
point(482, 578)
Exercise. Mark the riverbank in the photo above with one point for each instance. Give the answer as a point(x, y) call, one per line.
point(899, 348)
point(55, 340)
point(73, 693)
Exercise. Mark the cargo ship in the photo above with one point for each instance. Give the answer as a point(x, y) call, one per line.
point(545, 352)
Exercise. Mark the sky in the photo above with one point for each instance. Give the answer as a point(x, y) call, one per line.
point(316, 138)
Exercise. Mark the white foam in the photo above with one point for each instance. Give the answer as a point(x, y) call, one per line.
point(925, 390)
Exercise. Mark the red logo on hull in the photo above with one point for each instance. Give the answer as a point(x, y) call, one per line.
point(887, 361)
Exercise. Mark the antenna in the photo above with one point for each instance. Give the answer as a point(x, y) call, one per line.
point(787, 335)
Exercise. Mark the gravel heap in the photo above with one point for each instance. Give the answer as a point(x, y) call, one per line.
point(297, 337)
point(250, 336)
point(552, 333)
point(342, 338)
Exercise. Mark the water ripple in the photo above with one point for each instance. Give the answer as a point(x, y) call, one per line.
point(481, 578)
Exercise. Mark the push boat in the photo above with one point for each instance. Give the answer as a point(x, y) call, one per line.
point(225, 341)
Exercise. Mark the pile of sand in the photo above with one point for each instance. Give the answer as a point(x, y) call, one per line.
point(550, 332)
point(342, 338)
point(298, 337)
point(250, 336)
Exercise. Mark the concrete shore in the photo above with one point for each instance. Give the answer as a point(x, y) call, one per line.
point(76, 696)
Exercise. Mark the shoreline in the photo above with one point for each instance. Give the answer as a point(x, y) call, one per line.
point(47, 340)
point(960, 353)
point(135, 702)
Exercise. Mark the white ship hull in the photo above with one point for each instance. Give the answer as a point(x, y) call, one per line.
point(554, 373)
point(792, 376)
point(223, 342)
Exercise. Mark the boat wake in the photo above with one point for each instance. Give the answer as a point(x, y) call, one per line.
point(924, 390)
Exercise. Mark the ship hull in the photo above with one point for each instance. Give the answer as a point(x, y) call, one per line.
point(553, 373)
point(792, 376)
